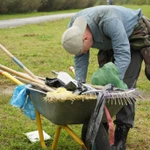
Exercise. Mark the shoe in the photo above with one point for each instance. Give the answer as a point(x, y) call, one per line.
point(146, 56)
point(121, 133)
point(118, 147)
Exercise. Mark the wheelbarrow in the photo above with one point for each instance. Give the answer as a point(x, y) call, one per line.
point(66, 113)
point(62, 114)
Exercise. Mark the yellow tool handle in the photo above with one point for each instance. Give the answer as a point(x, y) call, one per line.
point(6, 74)
point(25, 76)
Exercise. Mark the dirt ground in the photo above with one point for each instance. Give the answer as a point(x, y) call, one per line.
point(7, 89)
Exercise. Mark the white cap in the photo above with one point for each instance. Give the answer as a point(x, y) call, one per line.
point(72, 39)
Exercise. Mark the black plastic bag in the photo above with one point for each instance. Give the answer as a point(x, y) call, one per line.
point(95, 122)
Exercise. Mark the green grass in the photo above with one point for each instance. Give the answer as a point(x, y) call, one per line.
point(39, 48)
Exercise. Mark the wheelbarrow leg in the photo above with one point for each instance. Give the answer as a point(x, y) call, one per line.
point(75, 137)
point(38, 120)
point(56, 137)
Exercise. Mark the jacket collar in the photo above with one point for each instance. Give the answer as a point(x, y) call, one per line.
point(94, 29)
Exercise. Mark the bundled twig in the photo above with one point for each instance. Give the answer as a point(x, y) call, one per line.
point(61, 95)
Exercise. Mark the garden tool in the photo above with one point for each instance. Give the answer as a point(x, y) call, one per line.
point(17, 61)
point(27, 79)
point(4, 73)
point(20, 64)
point(61, 94)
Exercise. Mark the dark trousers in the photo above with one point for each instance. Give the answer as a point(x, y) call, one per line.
point(127, 113)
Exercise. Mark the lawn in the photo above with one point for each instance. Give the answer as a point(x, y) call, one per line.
point(39, 48)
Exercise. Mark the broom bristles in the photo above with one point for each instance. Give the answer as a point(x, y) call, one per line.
point(112, 97)
point(61, 94)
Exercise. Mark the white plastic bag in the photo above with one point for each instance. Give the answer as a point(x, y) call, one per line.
point(34, 136)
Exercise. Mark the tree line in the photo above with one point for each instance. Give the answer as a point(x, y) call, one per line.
point(23, 6)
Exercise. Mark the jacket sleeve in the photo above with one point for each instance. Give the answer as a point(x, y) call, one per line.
point(81, 63)
point(114, 29)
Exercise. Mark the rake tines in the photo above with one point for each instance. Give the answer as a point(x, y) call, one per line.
point(126, 97)
point(120, 97)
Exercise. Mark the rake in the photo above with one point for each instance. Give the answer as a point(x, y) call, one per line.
point(113, 95)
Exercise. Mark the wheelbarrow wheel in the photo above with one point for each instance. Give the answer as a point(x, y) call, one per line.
point(101, 141)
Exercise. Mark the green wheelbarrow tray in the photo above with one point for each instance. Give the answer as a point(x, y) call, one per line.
point(67, 112)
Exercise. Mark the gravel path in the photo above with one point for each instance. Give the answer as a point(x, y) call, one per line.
point(32, 20)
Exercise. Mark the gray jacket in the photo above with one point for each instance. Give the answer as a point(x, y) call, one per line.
point(111, 27)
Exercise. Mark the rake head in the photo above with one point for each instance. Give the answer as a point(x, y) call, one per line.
point(117, 96)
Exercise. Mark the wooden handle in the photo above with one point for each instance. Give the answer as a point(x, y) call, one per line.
point(17, 61)
point(20, 74)
point(6, 74)
point(43, 87)
point(26, 77)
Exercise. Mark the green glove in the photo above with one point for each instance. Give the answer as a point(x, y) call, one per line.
point(108, 74)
